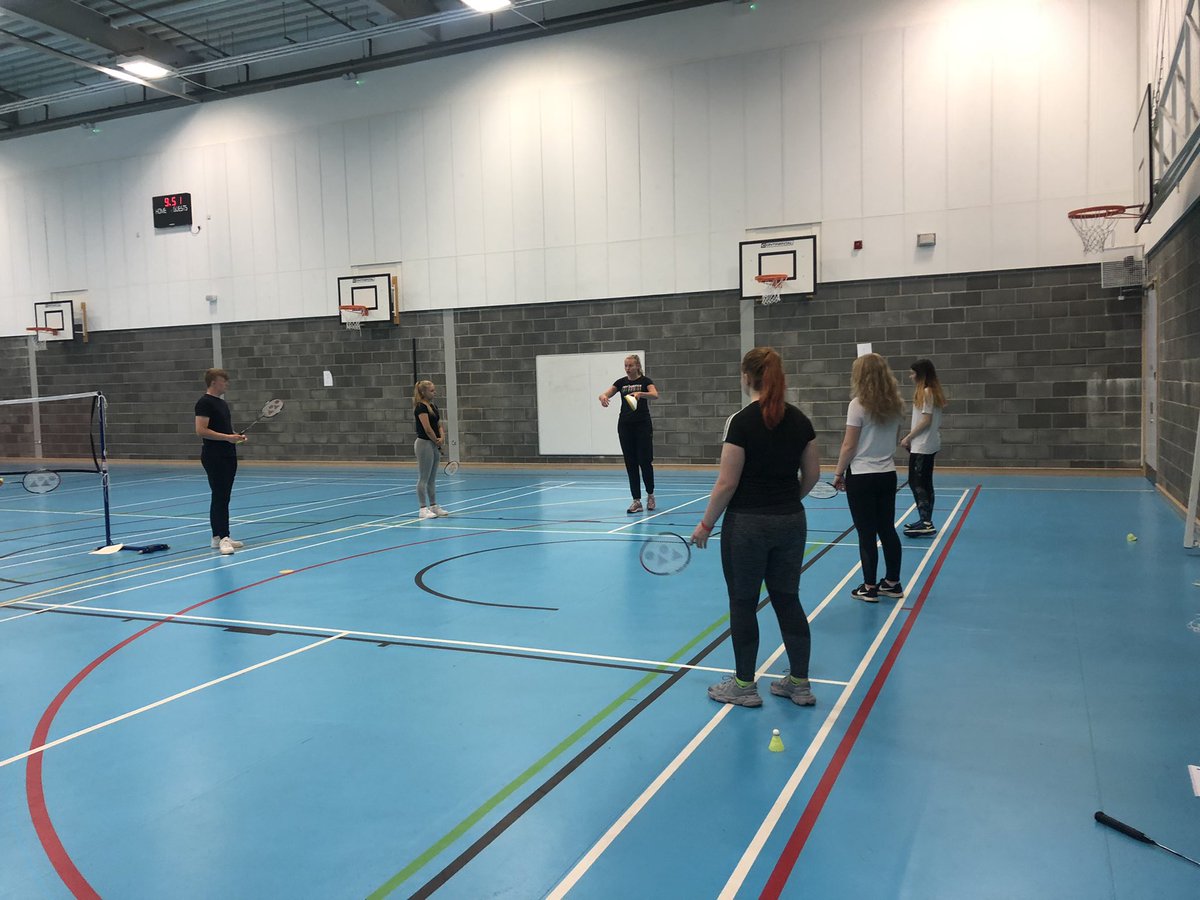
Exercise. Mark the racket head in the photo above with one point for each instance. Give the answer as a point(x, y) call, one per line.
point(823, 490)
point(271, 409)
point(41, 481)
point(665, 553)
point(451, 467)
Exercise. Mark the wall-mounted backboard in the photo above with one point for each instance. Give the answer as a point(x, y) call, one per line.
point(55, 320)
point(372, 292)
point(794, 256)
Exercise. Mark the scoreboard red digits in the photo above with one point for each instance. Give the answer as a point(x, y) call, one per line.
point(172, 210)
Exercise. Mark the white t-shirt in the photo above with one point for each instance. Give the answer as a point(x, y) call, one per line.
point(876, 441)
point(929, 440)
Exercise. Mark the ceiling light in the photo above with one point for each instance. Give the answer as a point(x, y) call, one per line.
point(143, 68)
point(487, 6)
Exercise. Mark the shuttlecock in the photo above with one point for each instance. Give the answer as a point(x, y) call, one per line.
point(1131, 537)
point(1, 481)
point(631, 400)
point(776, 745)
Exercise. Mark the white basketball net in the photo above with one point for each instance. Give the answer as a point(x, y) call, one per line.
point(1094, 232)
point(354, 319)
point(772, 291)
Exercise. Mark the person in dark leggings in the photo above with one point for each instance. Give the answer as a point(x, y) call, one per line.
point(923, 441)
point(635, 430)
point(218, 455)
point(764, 532)
point(866, 471)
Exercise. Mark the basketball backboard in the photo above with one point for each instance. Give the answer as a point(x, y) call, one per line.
point(56, 315)
point(794, 256)
point(1143, 159)
point(374, 292)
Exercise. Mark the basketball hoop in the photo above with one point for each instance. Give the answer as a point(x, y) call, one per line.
point(353, 316)
point(772, 286)
point(1095, 224)
point(42, 333)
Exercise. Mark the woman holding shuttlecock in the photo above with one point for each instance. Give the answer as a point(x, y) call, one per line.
point(635, 430)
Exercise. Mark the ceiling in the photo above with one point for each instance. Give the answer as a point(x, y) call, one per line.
point(59, 59)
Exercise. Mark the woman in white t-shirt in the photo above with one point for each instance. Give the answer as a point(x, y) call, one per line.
point(866, 471)
point(923, 441)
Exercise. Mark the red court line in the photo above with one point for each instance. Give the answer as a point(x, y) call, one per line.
point(800, 834)
point(35, 793)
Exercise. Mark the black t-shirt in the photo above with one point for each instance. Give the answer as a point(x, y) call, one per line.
point(219, 420)
point(770, 477)
point(630, 416)
point(434, 418)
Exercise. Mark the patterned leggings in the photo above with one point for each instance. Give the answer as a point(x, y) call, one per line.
point(920, 479)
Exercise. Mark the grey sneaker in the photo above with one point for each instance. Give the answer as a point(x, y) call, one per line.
point(729, 691)
point(801, 693)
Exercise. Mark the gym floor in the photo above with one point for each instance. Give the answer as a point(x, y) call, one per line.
point(503, 703)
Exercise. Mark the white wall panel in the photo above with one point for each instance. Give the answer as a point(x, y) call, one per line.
point(529, 273)
point(969, 238)
point(622, 160)
point(527, 173)
point(558, 175)
point(658, 265)
point(724, 259)
point(884, 246)
point(131, 173)
point(335, 209)
point(841, 128)
point(471, 277)
point(591, 271)
point(727, 161)
point(690, 148)
point(926, 260)
point(590, 171)
point(497, 174)
point(91, 186)
point(925, 86)
point(467, 156)
point(1063, 107)
point(309, 211)
point(838, 261)
point(969, 121)
point(762, 139)
point(1015, 234)
point(240, 211)
point(692, 262)
point(216, 217)
point(883, 124)
point(656, 151)
point(1015, 125)
point(1114, 93)
point(385, 189)
point(316, 294)
point(410, 169)
point(417, 287)
point(285, 204)
point(35, 222)
point(439, 182)
point(625, 269)
point(501, 279)
point(561, 283)
point(360, 211)
point(443, 283)
point(79, 196)
point(53, 233)
point(10, 247)
point(801, 134)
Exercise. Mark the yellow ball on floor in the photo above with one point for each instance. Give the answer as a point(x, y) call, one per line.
point(1131, 537)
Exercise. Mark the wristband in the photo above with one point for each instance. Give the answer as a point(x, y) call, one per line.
point(705, 527)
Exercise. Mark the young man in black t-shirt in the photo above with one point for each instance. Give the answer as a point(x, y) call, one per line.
point(218, 455)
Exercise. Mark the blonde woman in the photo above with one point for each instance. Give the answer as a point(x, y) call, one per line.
point(431, 435)
point(866, 471)
point(923, 441)
point(635, 430)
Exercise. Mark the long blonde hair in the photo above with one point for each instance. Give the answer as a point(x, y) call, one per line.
point(419, 394)
point(872, 382)
point(637, 360)
point(927, 384)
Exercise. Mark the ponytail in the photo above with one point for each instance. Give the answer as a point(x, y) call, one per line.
point(765, 370)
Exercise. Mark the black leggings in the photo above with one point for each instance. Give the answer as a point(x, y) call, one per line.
point(756, 549)
point(221, 470)
point(872, 499)
point(637, 446)
point(920, 479)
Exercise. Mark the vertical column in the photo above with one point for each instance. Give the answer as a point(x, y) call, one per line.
point(32, 347)
point(451, 381)
point(216, 342)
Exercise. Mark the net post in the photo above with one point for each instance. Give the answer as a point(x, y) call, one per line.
point(101, 407)
point(1189, 527)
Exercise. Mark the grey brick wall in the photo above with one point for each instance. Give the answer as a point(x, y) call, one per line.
point(1175, 266)
point(1042, 366)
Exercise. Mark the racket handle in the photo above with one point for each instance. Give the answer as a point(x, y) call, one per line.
point(1122, 827)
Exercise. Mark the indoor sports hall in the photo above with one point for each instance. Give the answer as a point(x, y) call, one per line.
point(327, 568)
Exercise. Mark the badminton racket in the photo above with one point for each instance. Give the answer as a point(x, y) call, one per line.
point(270, 410)
point(823, 490)
point(41, 481)
point(1137, 835)
point(667, 553)
point(451, 467)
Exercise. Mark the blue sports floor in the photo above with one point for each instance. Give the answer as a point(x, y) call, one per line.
point(503, 703)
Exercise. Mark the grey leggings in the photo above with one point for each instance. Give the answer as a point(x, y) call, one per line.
point(427, 466)
point(755, 549)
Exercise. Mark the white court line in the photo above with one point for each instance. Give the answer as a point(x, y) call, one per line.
point(597, 850)
point(165, 700)
point(645, 519)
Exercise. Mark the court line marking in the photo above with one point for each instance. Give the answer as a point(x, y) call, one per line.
point(75, 735)
point(597, 850)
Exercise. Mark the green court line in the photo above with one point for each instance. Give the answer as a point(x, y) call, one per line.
point(492, 802)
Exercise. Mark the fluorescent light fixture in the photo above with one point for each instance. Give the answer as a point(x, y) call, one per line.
point(143, 68)
point(487, 6)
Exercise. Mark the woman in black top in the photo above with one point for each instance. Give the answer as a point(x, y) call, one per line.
point(218, 455)
point(635, 430)
point(431, 435)
point(762, 540)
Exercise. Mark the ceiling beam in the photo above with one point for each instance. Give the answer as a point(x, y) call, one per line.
point(89, 27)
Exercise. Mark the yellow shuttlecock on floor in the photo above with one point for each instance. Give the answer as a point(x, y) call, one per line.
point(776, 745)
point(1131, 537)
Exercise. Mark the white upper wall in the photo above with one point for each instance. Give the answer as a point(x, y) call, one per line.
point(618, 161)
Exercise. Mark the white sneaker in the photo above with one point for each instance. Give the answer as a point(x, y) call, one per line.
point(426, 513)
point(438, 511)
point(237, 545)
point(226, 547)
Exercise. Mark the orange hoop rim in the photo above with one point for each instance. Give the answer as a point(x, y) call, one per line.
point(354, 308)
point(38, 328)
point(773, 280)
point(1110, 211)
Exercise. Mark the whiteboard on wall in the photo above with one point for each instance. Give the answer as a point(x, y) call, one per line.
point(571, 420)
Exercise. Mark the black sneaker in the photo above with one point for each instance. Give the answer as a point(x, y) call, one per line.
point(891, 590)
point(867, 592)
point(920, 529)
